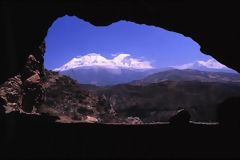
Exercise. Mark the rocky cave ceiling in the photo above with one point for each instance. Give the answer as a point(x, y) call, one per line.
point(212, 24)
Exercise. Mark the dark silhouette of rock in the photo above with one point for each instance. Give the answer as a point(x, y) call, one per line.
point(228, 113)
point(3, 102)
point(182, 117)
point(32, 92)
point(2, 109)
point(33, 71)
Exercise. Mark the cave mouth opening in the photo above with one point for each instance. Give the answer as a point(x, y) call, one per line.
point(130, 73)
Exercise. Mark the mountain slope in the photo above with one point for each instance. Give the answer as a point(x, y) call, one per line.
point(103, 76)
point(127, 103)
point(159, 101)
point(73, 102)
point(188, 75)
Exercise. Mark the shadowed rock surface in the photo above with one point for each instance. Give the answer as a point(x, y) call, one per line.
point(228, 113)
point(182, 117)
point(24, 92)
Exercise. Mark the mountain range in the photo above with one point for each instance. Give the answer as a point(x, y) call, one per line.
point(210, 65)
point(121, 61)
point(144, 101)
point(188, 75)
point(97, 70)
point(128, 90)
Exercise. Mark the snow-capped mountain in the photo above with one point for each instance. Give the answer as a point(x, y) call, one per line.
point(98, 70)
point(95, 69)
point(209, 65)
point(121, 61)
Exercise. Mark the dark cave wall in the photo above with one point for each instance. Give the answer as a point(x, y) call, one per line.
point(213, 24)
point(23, 27)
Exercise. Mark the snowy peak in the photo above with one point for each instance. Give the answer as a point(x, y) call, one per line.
point(121, 57)
point(90, 59)
point(209, 65)
point(97, 60)
point(126, 61)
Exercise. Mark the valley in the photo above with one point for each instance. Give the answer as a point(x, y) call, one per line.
point(155, 98)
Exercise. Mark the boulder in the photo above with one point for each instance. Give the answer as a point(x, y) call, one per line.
point(182, 117)
point(91, 119)
point(134, 120)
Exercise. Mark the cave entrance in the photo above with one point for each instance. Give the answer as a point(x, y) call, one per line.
point(130, 73)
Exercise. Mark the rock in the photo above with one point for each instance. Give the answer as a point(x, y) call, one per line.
point(33, 92)
point(182, 117)
point(90, 119)
point(134, 120)
point(24, 91)
point(11, 93)
point(34, 63)
point(32, 87)
point(34, 78)
point(32, 97)
point(30, 67)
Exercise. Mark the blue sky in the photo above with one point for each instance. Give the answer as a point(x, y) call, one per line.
point(69, 37)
